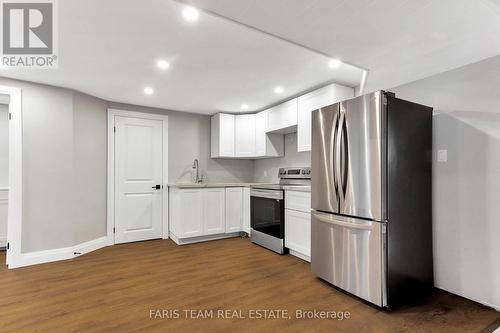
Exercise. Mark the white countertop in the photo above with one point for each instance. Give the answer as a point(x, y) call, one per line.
point(204, 185)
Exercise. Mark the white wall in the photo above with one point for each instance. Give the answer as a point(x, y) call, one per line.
point(466, 189)
point(63, 166)
point(189, 138)
point(266, 170)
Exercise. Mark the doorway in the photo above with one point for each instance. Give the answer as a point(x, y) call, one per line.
point(13, 166)
point(137, 176)
point(4, 168)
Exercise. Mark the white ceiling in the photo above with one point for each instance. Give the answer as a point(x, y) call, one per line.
point(109, 49)
point(398, 40)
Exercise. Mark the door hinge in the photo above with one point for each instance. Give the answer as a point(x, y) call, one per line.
point(10, 116)
point(114, 230)
point(114, 129)
point(8, 245)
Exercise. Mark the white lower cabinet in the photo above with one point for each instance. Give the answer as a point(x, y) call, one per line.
point(298, 232)
point(246, 210)
point(298, 223)
point(191, 209)
point(234, 209)
point(214, 218)
point(200, 214)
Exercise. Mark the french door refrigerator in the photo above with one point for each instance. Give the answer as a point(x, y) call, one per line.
point(371, 219)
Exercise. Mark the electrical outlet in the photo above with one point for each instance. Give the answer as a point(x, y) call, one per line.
point(442, 155)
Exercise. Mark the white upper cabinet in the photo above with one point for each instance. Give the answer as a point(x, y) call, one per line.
point(282, 118)
point(260, 135)
point(314, 100)
point(222, 137)
point(267, 144)
point(244, 135)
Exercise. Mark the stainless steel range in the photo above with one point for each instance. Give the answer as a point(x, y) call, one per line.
point(268, 208)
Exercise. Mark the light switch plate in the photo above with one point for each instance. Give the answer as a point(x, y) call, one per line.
point(442, 155)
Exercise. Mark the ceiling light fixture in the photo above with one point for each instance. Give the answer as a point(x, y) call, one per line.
point(149, 91)
point(334, 63)
point(244, 106)
point(278, 90)
point(162, 64)
point(190, 14)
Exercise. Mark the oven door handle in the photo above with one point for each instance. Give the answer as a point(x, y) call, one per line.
point(277, 195)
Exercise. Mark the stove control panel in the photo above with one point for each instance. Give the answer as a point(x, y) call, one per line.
point(294, 173)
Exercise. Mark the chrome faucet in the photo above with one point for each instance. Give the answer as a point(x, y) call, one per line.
point(197, 175)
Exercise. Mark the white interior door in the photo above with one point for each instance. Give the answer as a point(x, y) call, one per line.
point(138, 171)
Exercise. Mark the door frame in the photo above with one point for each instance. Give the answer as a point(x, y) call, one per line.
point(112, 113)
point(15, 201)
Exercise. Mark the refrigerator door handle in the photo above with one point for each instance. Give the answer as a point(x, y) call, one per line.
point(338, 158)
point(345, 157)
point(333, 156)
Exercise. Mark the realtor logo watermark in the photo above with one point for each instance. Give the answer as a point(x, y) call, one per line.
point(29, 34)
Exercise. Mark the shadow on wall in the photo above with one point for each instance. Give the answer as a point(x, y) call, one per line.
point(467, 204)
point(266, 170)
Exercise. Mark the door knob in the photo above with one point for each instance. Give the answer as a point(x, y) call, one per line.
point(157, 187)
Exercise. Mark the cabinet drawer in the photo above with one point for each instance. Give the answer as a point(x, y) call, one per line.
point(298, 200)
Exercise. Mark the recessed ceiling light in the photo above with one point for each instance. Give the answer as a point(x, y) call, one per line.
point(190, 14)
point(149, 91)
point(334, 63)
point(162, 64)
point(279, 90)
point(244, 106)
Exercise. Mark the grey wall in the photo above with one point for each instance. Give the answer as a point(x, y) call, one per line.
point(89, 168)
point(266, 170)
point(63, 166)
point(189, 138)
point(466, 189)
point(4, 145)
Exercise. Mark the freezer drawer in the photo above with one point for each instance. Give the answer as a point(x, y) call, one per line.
point(350, 254)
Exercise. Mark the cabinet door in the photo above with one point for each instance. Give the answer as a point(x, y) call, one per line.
point(245, 135)
point(213, 211)
point(260, 133)
point(282, 117)
point(246, 210)
point(234, 209)
point(298, 231)
point(312, 101)
point(222, 135)
point(226, 132)
point(191, 213)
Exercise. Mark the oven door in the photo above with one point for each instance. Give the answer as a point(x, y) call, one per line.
point(267, 212)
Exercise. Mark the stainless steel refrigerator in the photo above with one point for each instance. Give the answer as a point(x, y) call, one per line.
point(371, 223)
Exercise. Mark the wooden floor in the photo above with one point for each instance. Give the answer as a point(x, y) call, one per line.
point(114, 289)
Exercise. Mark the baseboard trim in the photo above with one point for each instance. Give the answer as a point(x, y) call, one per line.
point(495, 307)
point(65, 253)
point(191, 240)
point(300, 255)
